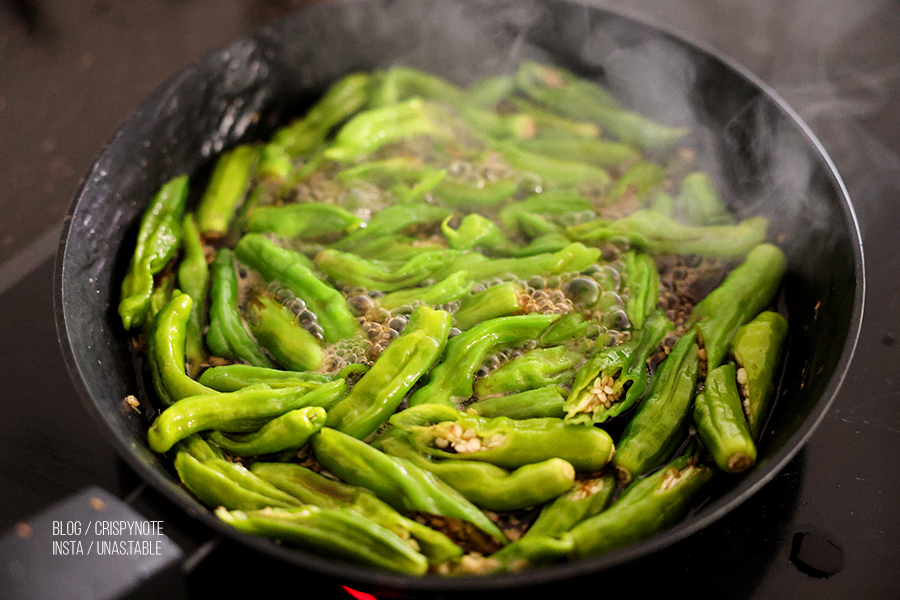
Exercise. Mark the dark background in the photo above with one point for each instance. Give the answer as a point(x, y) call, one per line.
point(72, 70)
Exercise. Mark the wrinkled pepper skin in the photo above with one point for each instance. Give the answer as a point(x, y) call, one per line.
point(159, 236)
point(655, 232)
point(398, 482)
point(287, 433)
point(626, 365)
point(193, 279)
point(488, 486)
point(303, 221)
point(587, 498)
point(721, 423)
point(536, 368)
point(381, 390)
point(453, 377)
point(344, 98)
point(642, 283)
point(165, 353)
point(334, 532)
point(290, 269)
point(371, 129)
point(446, 290)
point(646, 507)
point(218, 482)
point(227, 336)
point(442, 431)
point(227, 187)
point(239, 412)
point(529, 552)
point(276, 329)
point(757, 349)
point(349, 269)
point(310, 487)
point(659, 425)
point(746, 292)
point(547, 401)
point(391, 220)
point(231, 378)
point(497, 301)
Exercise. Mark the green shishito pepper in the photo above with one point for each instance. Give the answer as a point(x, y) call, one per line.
point(614, 379)
point(659, 426)
point(312, 488)
point(159, 235)
point(219, 482)
point(757, 351)
point(721, 423)
point(275, 328)
point(371, 129)
point(240, 412)
point(654, 232)
point(700, 201)
point(291, 269)
point(345, 97)
point(486, 485)
point(287, 433)
point(587, 498)
point(646, 507)
point(445, 432)
point(227, 336)
point(381, 390)
point(225, 192)
point(231, 378)
point(304, 220)
point(352, 270)
point(334, 532)
point(642, 283)
point(536, 368)
point(193, 279)
point(497, 301)
point(453, 377)
point(746, 291)
point(547, 401)
point(397, 481)
point(581, 99)
point(165, 353)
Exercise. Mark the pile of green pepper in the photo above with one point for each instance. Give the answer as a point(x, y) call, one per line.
point(431, 329)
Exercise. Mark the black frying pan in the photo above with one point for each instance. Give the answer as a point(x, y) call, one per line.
point(759, 151)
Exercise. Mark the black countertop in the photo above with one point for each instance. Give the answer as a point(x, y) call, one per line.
point(72, 71)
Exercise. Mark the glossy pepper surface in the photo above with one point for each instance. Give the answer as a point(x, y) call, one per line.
point(313, 488)
point(227, 335)
point(286, 433)
point(228, 185)
point(746, 291)
point(585, 499)
point(659, 426)
point(453, 376)
point(397, 481)
point(165, 352)
point(445, 432)
point(486, 485)
point(721, 423)
point(335, 532)
point(240, 412)
point(276, 329)
point(292, 270)
point(381, 390)
point(193, 279)
point(757, 349)
point(158, 239)
point(645, 507)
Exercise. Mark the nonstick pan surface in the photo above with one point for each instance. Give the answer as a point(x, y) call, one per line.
point(764, 158)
